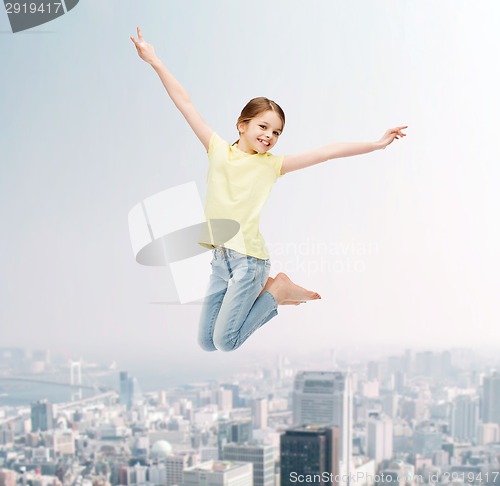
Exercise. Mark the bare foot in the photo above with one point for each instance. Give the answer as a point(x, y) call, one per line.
point(269, 282)
point(287, 293)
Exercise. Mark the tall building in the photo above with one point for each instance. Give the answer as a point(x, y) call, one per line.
point(261, 456)
point(379, 438)
point(175, 467)
point(224, 399)
point(42, 416)
point(233, 431)
point(219, 473)
point(491, 399)
point(465, 418)
point(374, 371)
point(259, 413)
point(390, 403)
point(234, 387)
point(129, 390)
point(310, 450)
point(325, 398)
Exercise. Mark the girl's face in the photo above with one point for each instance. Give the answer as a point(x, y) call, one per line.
point(261, 133)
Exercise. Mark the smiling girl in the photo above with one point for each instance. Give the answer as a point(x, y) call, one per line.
point(241, 295)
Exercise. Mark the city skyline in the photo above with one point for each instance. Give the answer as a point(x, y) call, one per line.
point(415, 418)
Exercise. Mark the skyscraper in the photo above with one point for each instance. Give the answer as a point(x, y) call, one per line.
point(465, 417)
point(310, 450)
point(379, 438)
point(259, 413)
point(175, 466)
point(491, 399)
point(233, 431)
point(129, 390)
point(261, 456)
point(234, 387)
point(42, 416)
point(325, 398)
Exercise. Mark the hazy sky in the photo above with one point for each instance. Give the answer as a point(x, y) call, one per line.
point(402, 244)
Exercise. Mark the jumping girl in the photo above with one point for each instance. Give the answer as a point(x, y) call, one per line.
point(241, 295)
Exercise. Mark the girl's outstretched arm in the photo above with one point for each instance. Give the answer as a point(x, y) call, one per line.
point(337, 150)
point(174, 89)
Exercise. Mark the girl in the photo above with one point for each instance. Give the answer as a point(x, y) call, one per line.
point(241, 296)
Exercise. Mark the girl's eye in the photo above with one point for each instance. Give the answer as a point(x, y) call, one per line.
point(263, 127)
point(276, 133)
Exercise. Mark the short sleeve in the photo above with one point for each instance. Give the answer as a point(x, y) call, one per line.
point(278, 164)
point(217, 146)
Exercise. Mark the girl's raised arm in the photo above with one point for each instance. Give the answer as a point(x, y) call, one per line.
point(338, 150)
point(174, 89)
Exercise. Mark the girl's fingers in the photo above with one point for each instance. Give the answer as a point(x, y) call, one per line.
point(139, 35)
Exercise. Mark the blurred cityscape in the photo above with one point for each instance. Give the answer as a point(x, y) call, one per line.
point(417, 417)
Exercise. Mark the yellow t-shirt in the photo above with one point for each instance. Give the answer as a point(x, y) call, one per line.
point(238, 185)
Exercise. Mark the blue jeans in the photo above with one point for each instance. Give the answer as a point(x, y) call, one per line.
point(233, 310)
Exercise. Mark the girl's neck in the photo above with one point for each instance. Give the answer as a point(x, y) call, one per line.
point(243, 147)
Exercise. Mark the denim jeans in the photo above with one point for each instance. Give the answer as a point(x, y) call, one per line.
point(233, 309)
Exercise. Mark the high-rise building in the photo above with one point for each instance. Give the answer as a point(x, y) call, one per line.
point(325, 398)
point(465, 417)
point(379, 438)
point(42, 416)
point(374, 371)
point(234, 387)
point(261, 456)
point(233, 431)
point(175, 467)
point(491, 399)
point(400, 381)
point(224, 399)
point(390, 403)
point(129, 390)
point(259, 413)
point(219, 473)
point(310, 450)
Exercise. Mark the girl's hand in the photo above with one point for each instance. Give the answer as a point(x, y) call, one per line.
point(390, 135)
point(146, 51)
